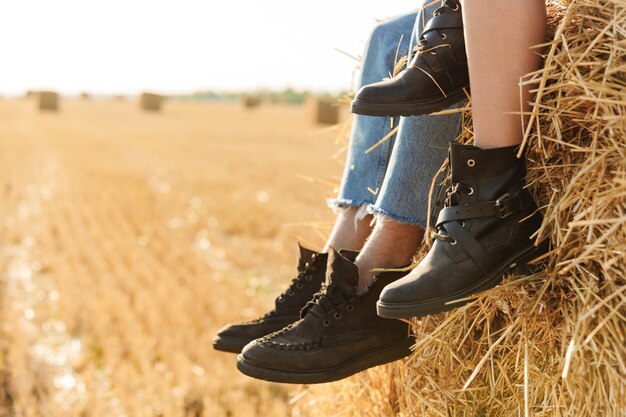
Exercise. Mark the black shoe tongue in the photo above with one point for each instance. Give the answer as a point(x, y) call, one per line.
point(342, 273)
point(306, 255)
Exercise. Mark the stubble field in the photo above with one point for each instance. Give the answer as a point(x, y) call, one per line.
point(128, 238)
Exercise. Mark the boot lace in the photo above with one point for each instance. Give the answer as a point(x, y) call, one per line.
point(328, 303)
point(453, 194)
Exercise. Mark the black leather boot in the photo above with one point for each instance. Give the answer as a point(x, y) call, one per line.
point(339, 333)
point(483, 232)
point(311, 272)
point(434, 79)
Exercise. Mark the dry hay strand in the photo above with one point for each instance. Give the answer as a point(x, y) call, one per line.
point(150, 101)
point(554, 343)
point(325, 111)
point(251, 102)
point(48, 100)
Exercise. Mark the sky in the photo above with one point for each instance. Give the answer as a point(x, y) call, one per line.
point(126, 46)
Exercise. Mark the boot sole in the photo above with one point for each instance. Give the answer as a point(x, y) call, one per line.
point(516, 262)
point(230, 344)
point(379, 357)
point(416, 108)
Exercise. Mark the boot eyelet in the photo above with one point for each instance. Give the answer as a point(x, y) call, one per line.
point(308, 278)
point(433, 53)
point(299, 285)
point(471, 191)
point(326, 322)
point(349, 308)
point(280, 299)
point(471, 163)
point(444, 36)
point(455, 8)
point(453, 242)
point(337, 316)
point(463, 223)
point(290, 292)
point(306, 265)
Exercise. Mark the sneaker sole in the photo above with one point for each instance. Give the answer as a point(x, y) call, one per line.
point(378, 357)
point(406, 109)
point(230, 344)
point(516, 262)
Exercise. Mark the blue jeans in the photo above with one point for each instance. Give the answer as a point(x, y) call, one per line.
point(394, 179)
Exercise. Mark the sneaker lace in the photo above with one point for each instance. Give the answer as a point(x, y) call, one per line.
point(328, 303)
point(306, 274)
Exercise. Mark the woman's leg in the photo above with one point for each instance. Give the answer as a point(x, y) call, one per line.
point(498, 37)
point(486, 229)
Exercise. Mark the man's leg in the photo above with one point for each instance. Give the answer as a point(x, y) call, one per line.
point(340, 333)
point(352, 225)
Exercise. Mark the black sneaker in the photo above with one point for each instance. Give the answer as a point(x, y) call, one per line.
point(339, 334)
point(311, 271)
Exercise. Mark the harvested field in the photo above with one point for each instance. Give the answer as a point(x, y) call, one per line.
point(128, 238)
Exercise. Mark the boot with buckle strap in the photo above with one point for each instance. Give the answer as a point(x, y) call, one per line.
point(339, 333)
point(436, 77)
point(484, 231)
point(287, 306)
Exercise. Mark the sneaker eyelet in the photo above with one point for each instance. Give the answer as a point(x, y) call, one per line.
point(454, 242)
point(349, 307)
point(337, 316)
point(326, 322)
point(471, 191)
point(455, 8)
point(471, 163)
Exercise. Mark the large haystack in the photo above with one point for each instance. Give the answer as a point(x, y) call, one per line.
point(553, 344)
point(325, 111)
point(251, 101)
point(150, 101)
point(48, 100)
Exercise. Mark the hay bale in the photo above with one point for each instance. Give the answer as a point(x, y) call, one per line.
point(552, 344)
point(48, 100)
point(251, 102)
point(150, 101)
point(85, 96)
point(325, 111)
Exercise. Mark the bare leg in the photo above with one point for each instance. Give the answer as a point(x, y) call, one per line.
point(349, 232)
point(498, 37)
point(392, 244)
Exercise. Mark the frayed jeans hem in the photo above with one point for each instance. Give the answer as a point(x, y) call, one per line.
point(400, 219)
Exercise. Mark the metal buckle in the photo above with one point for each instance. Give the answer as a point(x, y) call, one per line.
point(501, 210)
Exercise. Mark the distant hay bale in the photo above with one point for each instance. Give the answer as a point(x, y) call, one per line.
point(551, 344)
point(119, 97)
point(251, 102)
point(325, 111)
point(30, 93)
point(85, 96)
point(150, 101)
point(48, 100)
